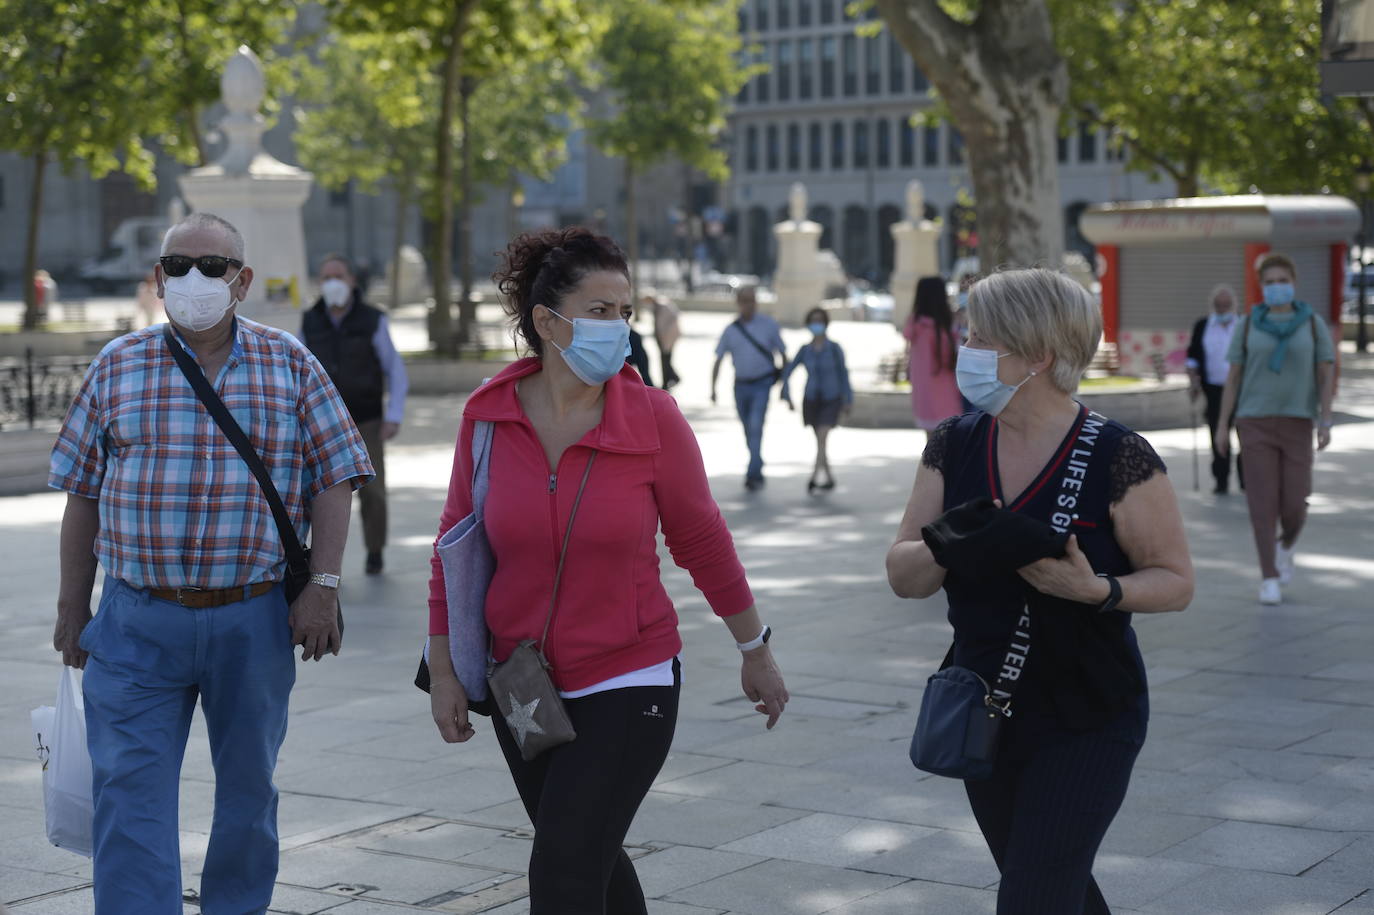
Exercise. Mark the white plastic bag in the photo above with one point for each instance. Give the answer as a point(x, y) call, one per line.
point(61, 736)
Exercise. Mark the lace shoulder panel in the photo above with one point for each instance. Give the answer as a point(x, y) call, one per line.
point(1135, 462)
point(937, 444)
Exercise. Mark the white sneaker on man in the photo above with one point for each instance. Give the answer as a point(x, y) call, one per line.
point(1269, 592)
point(1283, 561)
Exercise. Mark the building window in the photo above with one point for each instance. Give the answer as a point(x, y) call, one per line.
point(743, 95)
point(815, 147)
point(784, 70)
point(770, 145)
point(1087, 143)
point(751, 148)
point(836, 145)
point(827, 11)
point(784, 14)
point(794, 152)
point(896, 66)
point(1062, 149)
point(849, 62)
point(804, 12)
point(930, 141)
point(884, 143)
point(828, 66)
point(761, 15)
point(906, 144)
point(743, 19)
point(763, 81)
point(956, 146)
point(873, 66)
point(919, 83)
point(861, 144)
point(806, 61)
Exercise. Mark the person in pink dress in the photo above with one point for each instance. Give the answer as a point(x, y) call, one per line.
point(931, 348)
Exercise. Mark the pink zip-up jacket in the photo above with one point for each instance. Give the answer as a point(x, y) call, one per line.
point(613, 614)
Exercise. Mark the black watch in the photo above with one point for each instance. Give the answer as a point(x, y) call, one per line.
point(1113, 596)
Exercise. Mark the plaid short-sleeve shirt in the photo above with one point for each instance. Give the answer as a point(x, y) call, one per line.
point(178, 506)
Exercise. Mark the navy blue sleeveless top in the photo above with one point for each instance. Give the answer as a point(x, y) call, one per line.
point(1084, 668)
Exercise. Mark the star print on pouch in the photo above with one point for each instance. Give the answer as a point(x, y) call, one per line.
point(521, 718)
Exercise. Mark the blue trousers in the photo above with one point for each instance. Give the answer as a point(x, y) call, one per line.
point(751, 400)
point(149, 661)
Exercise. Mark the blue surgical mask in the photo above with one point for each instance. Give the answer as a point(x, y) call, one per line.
point(598, 349)
point(1278, 293)
point(816, 327)
point(975, 371)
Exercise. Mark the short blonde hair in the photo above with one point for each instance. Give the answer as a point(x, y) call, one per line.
point(1036, 313)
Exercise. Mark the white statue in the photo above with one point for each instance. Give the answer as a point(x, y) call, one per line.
point(796, 202)
point(915, 202)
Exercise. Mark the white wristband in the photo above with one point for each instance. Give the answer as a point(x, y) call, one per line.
point(757, 642)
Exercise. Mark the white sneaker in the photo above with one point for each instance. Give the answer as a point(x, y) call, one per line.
point(1283, 561)
point(1269, 592)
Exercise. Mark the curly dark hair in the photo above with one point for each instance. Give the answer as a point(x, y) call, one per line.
point(540, 267)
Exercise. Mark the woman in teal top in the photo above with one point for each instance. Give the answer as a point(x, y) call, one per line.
point(1281, 380)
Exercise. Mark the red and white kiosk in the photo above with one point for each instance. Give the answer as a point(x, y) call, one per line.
point(1157, 261)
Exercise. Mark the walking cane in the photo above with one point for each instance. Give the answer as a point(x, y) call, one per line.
point(1193, 410)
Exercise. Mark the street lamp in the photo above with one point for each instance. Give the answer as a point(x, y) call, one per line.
point(1362, 175)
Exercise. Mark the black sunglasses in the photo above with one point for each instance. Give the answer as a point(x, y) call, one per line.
point(212, 265)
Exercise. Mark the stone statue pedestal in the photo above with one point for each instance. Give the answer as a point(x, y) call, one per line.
point(261, 196)
point(916, 243)
point(800, 278)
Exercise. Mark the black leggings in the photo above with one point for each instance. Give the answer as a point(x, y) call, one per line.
point(582, 796)
point(1044, 812)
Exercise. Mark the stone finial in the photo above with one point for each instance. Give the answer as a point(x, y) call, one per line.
point(796, 202)
point(915, 202)
point(243, 84)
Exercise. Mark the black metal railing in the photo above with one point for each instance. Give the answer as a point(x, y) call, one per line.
point(33, 389)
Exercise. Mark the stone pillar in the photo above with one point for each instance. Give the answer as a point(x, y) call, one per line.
point(799, 279)
point(916, 242)
point(258, 194)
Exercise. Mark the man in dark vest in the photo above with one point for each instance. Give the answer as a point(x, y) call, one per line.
point(351, 339)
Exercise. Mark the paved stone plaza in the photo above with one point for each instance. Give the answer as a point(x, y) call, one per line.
point(1254, 793)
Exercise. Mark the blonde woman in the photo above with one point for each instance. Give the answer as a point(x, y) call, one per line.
point(1066, 517)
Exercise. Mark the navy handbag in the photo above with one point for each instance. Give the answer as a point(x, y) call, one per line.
point(957, 729)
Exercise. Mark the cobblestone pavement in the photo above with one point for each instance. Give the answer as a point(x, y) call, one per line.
point(1252, 794)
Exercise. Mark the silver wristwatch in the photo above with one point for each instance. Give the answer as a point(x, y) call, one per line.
point(325, 580)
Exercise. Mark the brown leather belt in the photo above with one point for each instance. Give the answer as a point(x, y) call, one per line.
point(203, 598)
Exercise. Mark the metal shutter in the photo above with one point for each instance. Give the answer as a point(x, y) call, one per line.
point(1165, 287)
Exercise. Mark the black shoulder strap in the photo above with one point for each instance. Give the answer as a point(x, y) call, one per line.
point(296, 559)
point(768, 354)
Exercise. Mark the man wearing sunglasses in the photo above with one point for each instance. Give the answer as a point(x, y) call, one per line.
point(353, 343)
point(192, 605)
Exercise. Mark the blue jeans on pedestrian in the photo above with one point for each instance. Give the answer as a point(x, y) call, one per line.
point(751, 400)
point(149, 661)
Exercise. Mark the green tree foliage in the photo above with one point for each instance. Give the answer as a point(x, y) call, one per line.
point(94, 83)
point(671, 70)
point(370, 110)
point(1217, 96)
point(461, 45)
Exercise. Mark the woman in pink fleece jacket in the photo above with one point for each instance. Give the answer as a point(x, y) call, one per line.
point(613, 641)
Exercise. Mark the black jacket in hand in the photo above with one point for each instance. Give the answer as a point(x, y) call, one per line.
point(1081, 664)
point(978, 537)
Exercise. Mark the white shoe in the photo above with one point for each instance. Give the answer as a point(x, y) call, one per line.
point(1269, 592)
point(1283, 561)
